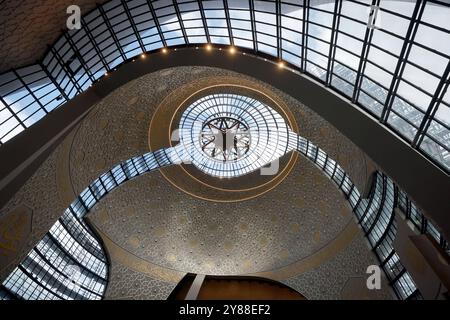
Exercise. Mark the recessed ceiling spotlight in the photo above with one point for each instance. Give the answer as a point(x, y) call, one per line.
point(106, 73)
point(175, 49)
point(143, 55)
point(164, 50)
point(232, 49)
point(208, 47)
point(281, 64)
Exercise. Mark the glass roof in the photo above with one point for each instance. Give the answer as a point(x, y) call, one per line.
point(391, 59)
point(228, 135)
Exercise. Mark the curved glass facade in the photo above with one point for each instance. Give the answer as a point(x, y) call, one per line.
point(389, 57)
point(47, 271)
point(69, 263)
point(376, 217)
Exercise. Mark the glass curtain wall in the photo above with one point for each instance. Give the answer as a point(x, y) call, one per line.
point(388, 57)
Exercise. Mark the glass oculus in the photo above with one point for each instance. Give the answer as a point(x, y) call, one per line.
point(229, 135)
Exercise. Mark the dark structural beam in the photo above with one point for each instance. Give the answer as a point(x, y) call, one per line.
point(156, 21)
point(305, 26)
point(333, 41)
point(112, 33)
point(228, 19)
point(78, 56)
point(403, 58)
point(94, 44)
point(364, 55)
point(133, 25)
point(253, 21)
point(183, 28)
point(433, 106)
point(205, 25)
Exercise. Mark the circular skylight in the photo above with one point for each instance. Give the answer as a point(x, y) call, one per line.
point(229, 135)
point(225, 139)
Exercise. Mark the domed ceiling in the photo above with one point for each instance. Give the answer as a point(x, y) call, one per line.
point(164, 224)
point(294, 226)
